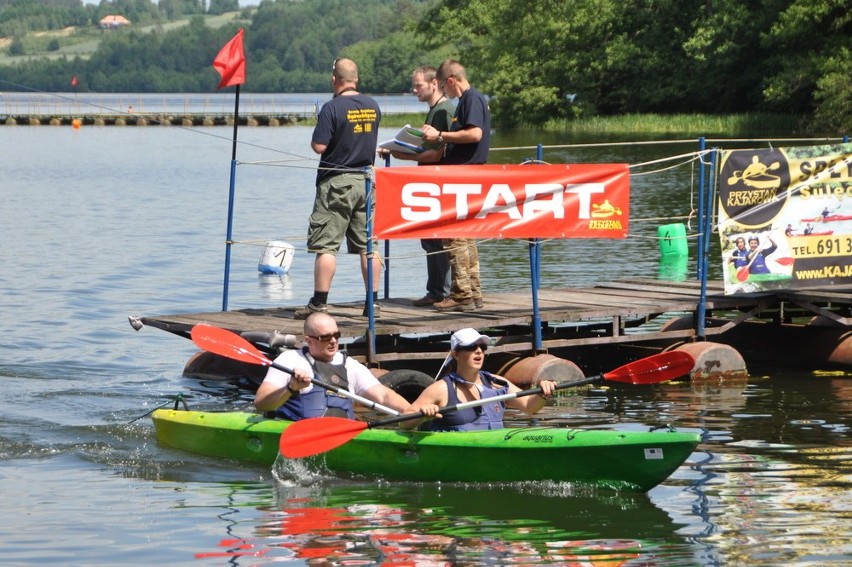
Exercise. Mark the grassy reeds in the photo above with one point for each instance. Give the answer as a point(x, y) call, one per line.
point(656, 124)
point(693, 124)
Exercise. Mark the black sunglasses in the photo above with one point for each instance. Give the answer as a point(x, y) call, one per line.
point(325, 338)
point(473, 347)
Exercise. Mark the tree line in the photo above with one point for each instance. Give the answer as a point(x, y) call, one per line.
point(542, 61)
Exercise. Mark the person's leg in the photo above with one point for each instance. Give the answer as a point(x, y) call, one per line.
point(473, 274)
point(461, 298)
point(377, 271)
point(356, 239)
point(324, 268)
point(438, 278)
point(325, 232)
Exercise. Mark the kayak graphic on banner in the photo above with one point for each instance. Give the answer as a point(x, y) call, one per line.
point(503, 201)
point(785, 217)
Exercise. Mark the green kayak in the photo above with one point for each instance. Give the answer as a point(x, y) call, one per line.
point(633, 460)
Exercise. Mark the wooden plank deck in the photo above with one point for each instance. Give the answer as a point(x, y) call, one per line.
point(570, 317)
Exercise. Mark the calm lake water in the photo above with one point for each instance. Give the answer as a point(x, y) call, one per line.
point(101, 223)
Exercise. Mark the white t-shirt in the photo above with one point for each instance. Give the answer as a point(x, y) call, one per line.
point(359, 376)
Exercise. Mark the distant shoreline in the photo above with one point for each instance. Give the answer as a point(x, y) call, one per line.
point(186, 121)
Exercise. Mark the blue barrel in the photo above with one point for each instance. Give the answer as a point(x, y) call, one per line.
point(672, 238)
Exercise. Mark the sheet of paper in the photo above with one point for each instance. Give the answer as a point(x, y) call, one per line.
point(407, 139)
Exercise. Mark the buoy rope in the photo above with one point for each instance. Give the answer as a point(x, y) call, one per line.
point(178, 399)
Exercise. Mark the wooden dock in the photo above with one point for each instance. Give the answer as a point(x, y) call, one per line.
point(626, 313)
point(158, 119)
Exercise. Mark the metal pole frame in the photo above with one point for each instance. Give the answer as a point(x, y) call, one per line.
point(368, 305)
point(535, 276)
point(231, 193)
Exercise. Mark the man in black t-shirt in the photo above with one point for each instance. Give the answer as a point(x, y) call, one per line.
point(467, 142)
point(345, 136)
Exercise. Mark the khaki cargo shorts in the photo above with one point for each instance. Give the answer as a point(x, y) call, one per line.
point(339, 210)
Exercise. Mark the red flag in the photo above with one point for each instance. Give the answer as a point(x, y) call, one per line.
point(74, 81)
point(231, 62)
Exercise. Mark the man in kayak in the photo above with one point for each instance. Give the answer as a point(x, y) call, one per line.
point(296, 397)
point(467, 382)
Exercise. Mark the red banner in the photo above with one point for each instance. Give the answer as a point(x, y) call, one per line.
point(503, 201)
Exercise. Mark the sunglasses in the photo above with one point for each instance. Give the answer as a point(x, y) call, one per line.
point(334, 65)
point(441, 85)
point(473, 347)
point(325, 338)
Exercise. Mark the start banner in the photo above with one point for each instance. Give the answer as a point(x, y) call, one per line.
point(503, 201)
point(785, 217)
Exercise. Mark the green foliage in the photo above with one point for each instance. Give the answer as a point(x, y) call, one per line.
point(540, 62)
point(650, 124)
point(18, 17)
point(812, 42)
point(833, 95)
point(303, 38)
point(177, 61)
point(16, 47)
point(385, 66)
point(222, 6)
point(717, 56)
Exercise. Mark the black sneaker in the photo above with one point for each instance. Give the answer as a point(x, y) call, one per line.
point(377, 311)
point(303, 312)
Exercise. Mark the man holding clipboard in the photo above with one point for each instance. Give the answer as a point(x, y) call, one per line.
point(424, 85)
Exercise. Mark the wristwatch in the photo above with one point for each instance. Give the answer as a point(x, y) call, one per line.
point(440, 138)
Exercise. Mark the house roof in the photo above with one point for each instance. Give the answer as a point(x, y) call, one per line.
point(114, 20)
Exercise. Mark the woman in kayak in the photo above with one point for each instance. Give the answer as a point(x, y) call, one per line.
point(467, 382)
point(739, 257)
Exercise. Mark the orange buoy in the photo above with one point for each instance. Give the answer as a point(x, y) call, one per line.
point(529, 371)
point(715, 360)
point(76, 123)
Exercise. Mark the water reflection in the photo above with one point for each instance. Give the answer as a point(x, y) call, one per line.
point(452, 525)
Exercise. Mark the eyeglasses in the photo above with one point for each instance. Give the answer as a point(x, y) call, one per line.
point(473, 347)
point(325, 338)
point(441, 85)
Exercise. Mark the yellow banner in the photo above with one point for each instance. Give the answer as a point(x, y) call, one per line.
point(785, 217)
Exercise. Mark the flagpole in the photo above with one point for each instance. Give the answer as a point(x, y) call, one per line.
point(230, 63)
point(231, 194)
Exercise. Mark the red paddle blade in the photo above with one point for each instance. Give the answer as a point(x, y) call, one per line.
point(742, 273)
point(653, 369)
point(317, 435)
point(225, 343)
point(785, 261)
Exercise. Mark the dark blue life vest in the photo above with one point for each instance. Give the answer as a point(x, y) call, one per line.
point(488, 416)
point(320, 402)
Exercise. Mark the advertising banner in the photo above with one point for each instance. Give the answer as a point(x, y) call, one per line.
point(785, 217)
point(503, 201)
